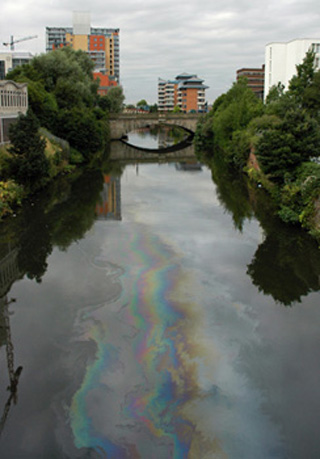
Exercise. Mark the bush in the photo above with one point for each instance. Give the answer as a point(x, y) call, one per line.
point(10, 195)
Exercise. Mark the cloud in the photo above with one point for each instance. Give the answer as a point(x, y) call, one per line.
point(165, 38)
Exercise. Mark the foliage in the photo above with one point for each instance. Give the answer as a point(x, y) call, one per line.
point(282, 148)
point(113, 101)
point(284, 134)
point(275, 93)
point(304, 77)
point(153, 108)
point(142, 103)
point(10, 195)
point(28, 164)
point(63, 96)
point(82, 130)
point(233, 112)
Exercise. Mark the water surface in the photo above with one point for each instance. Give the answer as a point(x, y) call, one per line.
point(158, 328)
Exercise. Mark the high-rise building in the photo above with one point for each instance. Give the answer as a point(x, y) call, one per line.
point(281, 60)
point(186, 92)
point(255, 79)
point(102, 44)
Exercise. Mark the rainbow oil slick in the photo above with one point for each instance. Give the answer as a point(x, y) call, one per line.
point(136, 395)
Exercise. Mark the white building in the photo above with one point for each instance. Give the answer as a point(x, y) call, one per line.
point(281, 60)
point(13, 101)
point(10, 60)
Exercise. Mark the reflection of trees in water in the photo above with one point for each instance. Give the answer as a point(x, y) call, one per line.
point(232, 191)
point(54, 218)
point(286, 264)
point(57, 216)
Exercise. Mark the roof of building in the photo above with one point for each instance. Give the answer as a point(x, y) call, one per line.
point(4, 83)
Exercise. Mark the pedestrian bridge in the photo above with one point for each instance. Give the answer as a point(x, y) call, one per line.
point(123, 123)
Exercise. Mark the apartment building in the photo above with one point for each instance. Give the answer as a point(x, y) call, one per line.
point(102, 44)
point(281, 60)
point(186, 91)
point(255, 79)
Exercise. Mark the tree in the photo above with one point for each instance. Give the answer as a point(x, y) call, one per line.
point(304, 77)
point(28, 164)
point(282, 148)
point(233, 111)
point(113, 101)
point(275, 93)
point(311, 96)
point(82, 130)
point(142, 103)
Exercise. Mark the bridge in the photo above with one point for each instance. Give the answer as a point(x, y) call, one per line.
point(123, 123)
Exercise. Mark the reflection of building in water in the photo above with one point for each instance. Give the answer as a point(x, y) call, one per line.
point(9, 268)
point(9, 272)
point(110, 206)
point(189, 166)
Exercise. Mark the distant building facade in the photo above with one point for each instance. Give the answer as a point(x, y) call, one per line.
point(13, 101)
point(186, 91)
point(102, 44)
point(255, 78)
point(105, 82)
point(10, 60)
point(281, 60)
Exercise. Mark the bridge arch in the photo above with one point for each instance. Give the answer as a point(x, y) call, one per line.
point(122, 124)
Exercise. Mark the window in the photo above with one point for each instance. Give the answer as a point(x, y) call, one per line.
point(316, 47)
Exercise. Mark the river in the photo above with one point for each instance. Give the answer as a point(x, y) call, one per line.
point(153, 312)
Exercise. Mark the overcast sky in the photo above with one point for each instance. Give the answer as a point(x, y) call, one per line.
point(163, 38)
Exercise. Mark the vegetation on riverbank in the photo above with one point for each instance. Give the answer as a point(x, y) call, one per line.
point(277, 143)
point(64, 101)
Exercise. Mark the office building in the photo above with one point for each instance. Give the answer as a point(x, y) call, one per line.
point(281, 60)
point(255, 79)
point(186, 91)
point(102, 44)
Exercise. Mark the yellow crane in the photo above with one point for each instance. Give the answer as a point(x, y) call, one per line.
point(12, 41)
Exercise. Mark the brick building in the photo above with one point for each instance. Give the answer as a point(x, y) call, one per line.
point(186, 91)
point(255, 78)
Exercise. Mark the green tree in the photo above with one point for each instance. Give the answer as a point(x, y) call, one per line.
point(142, 103)
point(28, 164)
point(304, 77)
point(82, 130)
point(113, 101)
point(176, 109)
point(311, 96)
point(275, 93)
point(234, 111)
point(293, 140)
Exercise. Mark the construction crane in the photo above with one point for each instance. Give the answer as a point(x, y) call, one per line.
point(12, 41)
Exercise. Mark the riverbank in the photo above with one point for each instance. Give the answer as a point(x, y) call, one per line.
point(12, 194)
point(283, 132)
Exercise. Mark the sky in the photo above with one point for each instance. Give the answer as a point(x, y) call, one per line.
point(163, 38)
